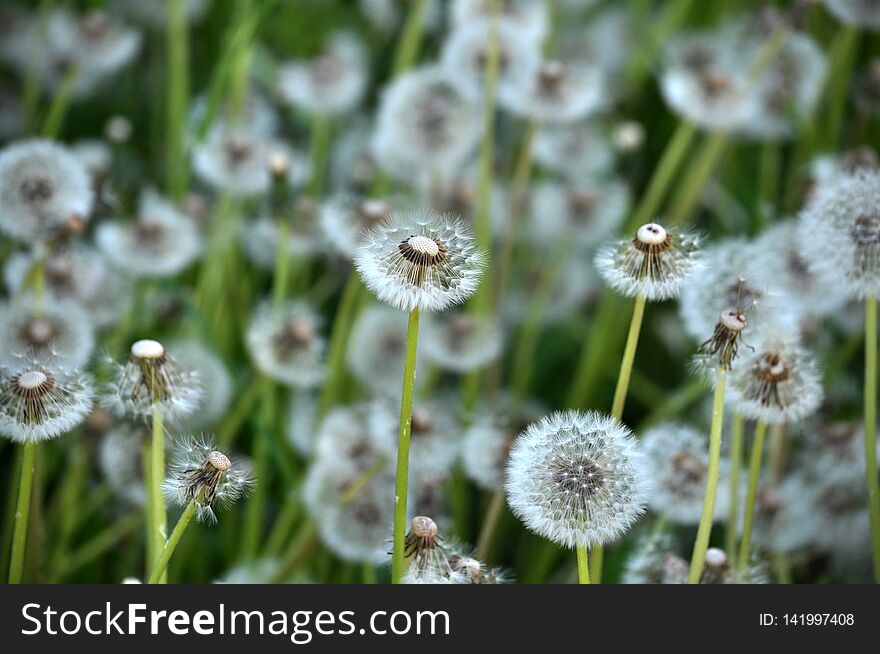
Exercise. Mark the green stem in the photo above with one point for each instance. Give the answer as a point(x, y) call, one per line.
point(240, 411)
point(745, 545)
point(583, 565)
point(149, 541)
point(339, 341)
point(177, 97)
point(301, 542)
point(160, 570)
point(705, 528)
point(22, 510)
point(60, 104)
point(597, 558)
point(157, 476)
point(768, 183)
point(322, 131)
point(398, 562)
point(701, 169)
point(99, 544)
point(676, 402)
point(410, 37)
point(844, 52)
point(670, 161)
point(736, 445)
point(256, 509)
point(490, 525)
point(871, 429)
point(629, 355)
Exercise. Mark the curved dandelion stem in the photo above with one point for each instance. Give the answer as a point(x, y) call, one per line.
point(583, 565)
point(160, 570)
point(873, 482)
point(629, 355)
point(22, 511)
point(705, 528)
point(490, 525)
point(338, 340)
point(398, 563)
point(157, 476)
point(410, 38)
point(178, 89)
point(321, 135)
point(736, 444)
point(751, 494)
point(58, 109)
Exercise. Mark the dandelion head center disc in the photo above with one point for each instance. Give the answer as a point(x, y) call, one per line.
point(147, 349)
point(32, 380)
point(219, 461)
point(581, 477)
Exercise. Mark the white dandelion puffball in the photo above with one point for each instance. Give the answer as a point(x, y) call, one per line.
point(777, 381)
point(58, 329)
point(40, 400)
point(556, 92)
point(534, 17)
point(577, 479)
point(577, 152)
point(461, 342)
point(43, 187)
point(655, 262)
point(194, 355)
point(286, 344)
point(679, 461)
point(840, 233)
point(420, 260)
point(863, 13)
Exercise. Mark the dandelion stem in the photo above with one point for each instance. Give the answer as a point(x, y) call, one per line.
point(398, 563)
point(298, 546)
point(410, 38)
point(705, 528)
point(160, 570)
point(60, 104)
point(178, 89)
point(704, 164)
point(745, 544)
point(338, 342)
point(736, 444)
point(629, 355)
point(490, 525)
point(602, 335)
point(99, 544)
point(670, 160)
point(583, 565)
point(157, 476)
point(873, 481)
point(321, 133)
point(22, 511)
point(597, 559)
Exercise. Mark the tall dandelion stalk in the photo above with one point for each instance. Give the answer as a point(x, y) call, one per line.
point(871, 476)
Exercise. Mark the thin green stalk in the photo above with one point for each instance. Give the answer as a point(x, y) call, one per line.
point(701, 169)
point(398, 563)
point(38, 279)
point(22, 511)
point(150, 542)
point(240, 411)
point(597, 559)
point(705, 528)
point(281, 529)
point(602, 334)
point(583, 565)
point(871, 429)
point(160, 570)
point(304, 538)
point(339, 342)
point(676, 402)
point(845, 48)
point(177, 98)
point(745, 544)
point(490, 525)
point(661, 178)
point(629, 355)
point(768, 182)
point(282, 263)
point(321, 134)
point(410, 37)
point(736, 445)
point(256, 509)
point(60, 104)
point(157, 476)
point(99, 544)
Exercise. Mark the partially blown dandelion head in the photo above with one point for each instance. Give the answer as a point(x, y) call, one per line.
point(54, 329)
point(722, 348)
point(778, 382)
point(420, 260)
point(461, 342)
point(286, 344)
point(577, 479)
point(151, 379)
point(40, 400)
point(654, 263)
point(45, 191)
point(199, 473)
point(679, 462)
point(343, 221)
point(840, 233)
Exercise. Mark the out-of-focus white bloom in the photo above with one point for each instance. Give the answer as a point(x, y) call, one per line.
point(466, 52)
point(161, 242)
point(119, 456)
point(302, 422)
point(56, 329)
point(344, 219)
point(420, 260)
point(577, 286)
point(532, 17)
point(152, 380)
point(577, 152)
point(655, 263)
point(425, 129)
point(388, 14)
point(286, 345)
point(654, 561)
point(840, 233)
point(259, 238)
point(628, 136)
point(461, 342)
point(679, 461)
point(43, 188)
point(331, 84)
point(577, 479)
point(194, 355)
point(556, 92)
point(40, 400)
point(199, 473)
point(863, 13)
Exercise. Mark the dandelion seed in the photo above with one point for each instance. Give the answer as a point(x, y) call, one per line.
point(655, 263)
point(199, 473)
point(420, 260)
point(577, 479)
point(152, 379)
point(40, 400)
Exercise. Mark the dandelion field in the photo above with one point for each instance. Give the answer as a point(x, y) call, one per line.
point(477, 291)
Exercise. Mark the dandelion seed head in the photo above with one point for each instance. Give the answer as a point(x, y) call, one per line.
point(58, 330)
point(286, 345)
point(575, 152)
point(461, 342)
point(863, 13)
point(654, 561)
point(556, 92)
point(577, 479)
